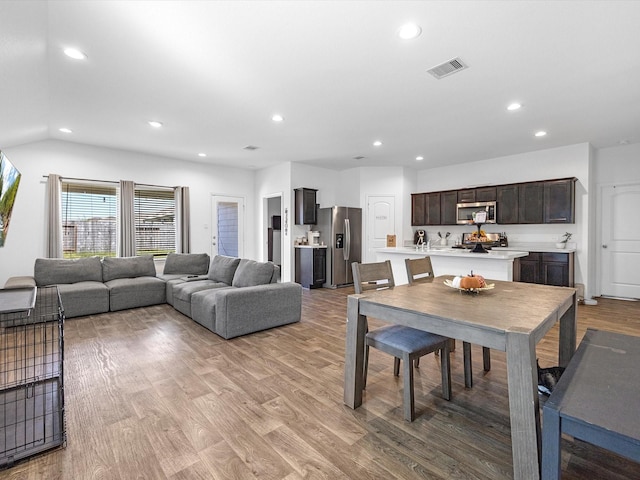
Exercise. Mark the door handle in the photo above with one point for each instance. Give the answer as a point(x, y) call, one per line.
point(347, 234)
point(605, 246)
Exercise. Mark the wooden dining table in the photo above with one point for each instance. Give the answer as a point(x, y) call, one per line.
point(512, 317)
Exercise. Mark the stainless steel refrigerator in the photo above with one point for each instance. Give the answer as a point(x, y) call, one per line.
point(341, 230)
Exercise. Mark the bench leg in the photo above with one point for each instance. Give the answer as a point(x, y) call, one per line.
point(551, 451)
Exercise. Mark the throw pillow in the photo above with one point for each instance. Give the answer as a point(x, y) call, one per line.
point(250, 273)
point(128, 267)
point(223, 269)
point(186, 263)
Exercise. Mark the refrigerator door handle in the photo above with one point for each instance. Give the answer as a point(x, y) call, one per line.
point(346, 251)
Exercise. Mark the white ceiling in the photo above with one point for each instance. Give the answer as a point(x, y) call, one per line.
point(214, 72)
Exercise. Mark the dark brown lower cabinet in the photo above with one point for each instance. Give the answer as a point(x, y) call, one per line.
point(311, 267)
point(545, 268)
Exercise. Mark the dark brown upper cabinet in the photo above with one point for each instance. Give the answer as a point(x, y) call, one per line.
point(417, 209)
point(467, 195)
point(448, 211)
point(486, 194)
point(305, 206)
point(530, 197)
point(432, 208)
point(547, 201)
point(559, 201)
point(507, 204)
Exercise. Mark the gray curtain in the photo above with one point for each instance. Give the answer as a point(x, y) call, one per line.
point(54, 216)
point(127, 237)
point(183, 223)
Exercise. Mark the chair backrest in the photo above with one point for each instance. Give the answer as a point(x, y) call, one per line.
point(419, 270)
point(372, 276)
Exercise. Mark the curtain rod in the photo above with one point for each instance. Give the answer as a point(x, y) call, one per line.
point(110, 182)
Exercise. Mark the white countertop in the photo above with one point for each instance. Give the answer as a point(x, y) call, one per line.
point(309, 246)
point(539, 247)
point(501, 254)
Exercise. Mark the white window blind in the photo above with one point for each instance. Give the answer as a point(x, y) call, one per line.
point(155, 218)
point(88, 219)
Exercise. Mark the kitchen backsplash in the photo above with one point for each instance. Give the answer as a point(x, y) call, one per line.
point(515, 233)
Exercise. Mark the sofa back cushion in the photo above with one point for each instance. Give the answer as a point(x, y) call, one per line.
point(250, 273)
point(223, 269)
point(57, 271)
point(186, 263)
point(128, 267)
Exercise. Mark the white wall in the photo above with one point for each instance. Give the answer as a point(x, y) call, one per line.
point(569, 161)
point(25, 240)
point(272, 181)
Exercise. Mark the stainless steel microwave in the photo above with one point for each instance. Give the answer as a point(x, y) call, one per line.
point(466, 212)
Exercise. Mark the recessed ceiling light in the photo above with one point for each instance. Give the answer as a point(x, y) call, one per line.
point(65, 130)
point(409, 31)
point(419, 158)
point(277, 118)
point(75, 54)
point(514, 106)
point(155, 124)
point(202, 154)
point(377, 143)
point(541, 133)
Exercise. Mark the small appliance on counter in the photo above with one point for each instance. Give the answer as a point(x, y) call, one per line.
point(313, 238)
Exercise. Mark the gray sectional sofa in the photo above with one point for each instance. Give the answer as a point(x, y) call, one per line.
point(229, 296)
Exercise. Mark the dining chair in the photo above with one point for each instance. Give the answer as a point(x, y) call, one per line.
point(404, 343)
point(420, 270)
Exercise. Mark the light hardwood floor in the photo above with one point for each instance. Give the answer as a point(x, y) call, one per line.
point(151, 394)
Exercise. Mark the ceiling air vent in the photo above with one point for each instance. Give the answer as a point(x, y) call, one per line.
point(447, 68)
point(250, 147)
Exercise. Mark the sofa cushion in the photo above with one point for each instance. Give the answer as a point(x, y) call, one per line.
point(223, 269)
point(182, 293)
point(186, 263)
point(135, 292)
point(128, 267)
point(55, 271)
point(83, 298)
point(250, 273)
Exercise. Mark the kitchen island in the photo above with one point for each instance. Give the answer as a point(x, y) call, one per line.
point(494, 265)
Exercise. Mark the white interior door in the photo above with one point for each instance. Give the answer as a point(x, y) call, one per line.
point(620, 248)
point(380, 223)
point(227, 226)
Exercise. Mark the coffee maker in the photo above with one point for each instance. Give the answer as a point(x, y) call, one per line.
point(313, 238)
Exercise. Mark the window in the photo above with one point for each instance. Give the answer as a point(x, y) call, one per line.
point(155, 218)
point(88, 219)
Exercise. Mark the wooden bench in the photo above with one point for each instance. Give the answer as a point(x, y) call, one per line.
point(597, 400)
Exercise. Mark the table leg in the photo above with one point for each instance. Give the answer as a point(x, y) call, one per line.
point(568, 333)
point(468, 369)
point(523, 405)
point(354, 354)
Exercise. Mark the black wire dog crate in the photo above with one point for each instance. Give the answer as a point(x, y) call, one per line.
point(31, 373)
